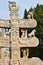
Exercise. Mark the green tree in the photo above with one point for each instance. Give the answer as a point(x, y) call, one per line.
point(25, 14)
point(31, 9)
point(38, 15)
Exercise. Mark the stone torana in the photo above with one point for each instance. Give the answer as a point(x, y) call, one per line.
point(16, 36)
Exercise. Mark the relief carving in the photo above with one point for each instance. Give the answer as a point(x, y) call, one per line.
point(32, 34)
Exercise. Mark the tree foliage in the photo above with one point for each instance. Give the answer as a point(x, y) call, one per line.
point(25, 14)
point(38, 15)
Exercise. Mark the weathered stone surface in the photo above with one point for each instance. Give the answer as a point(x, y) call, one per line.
point(4, 23)
point(35, 61)
point(30, 42)
point(15, 39)
point(31, 61)
point(4, 61)
point(4, 42)
point(31, 23)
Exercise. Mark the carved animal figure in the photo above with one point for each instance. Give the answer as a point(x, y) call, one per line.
point(32, 34)
point(30, 15)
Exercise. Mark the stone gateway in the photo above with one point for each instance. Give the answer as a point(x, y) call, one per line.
point(15, 39)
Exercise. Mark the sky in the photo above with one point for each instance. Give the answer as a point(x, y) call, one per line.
point(4, 10)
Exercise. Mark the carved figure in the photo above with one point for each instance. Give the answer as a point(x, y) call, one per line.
point(32, 34)
point(25, 52)
point(30, 15)
point(24, 34)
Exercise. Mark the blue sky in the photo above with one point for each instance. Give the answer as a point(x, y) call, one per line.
point(4, 10)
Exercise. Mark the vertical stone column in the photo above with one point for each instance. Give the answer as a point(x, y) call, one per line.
point(14, 42)
point(14, 33)
point(13, 8)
